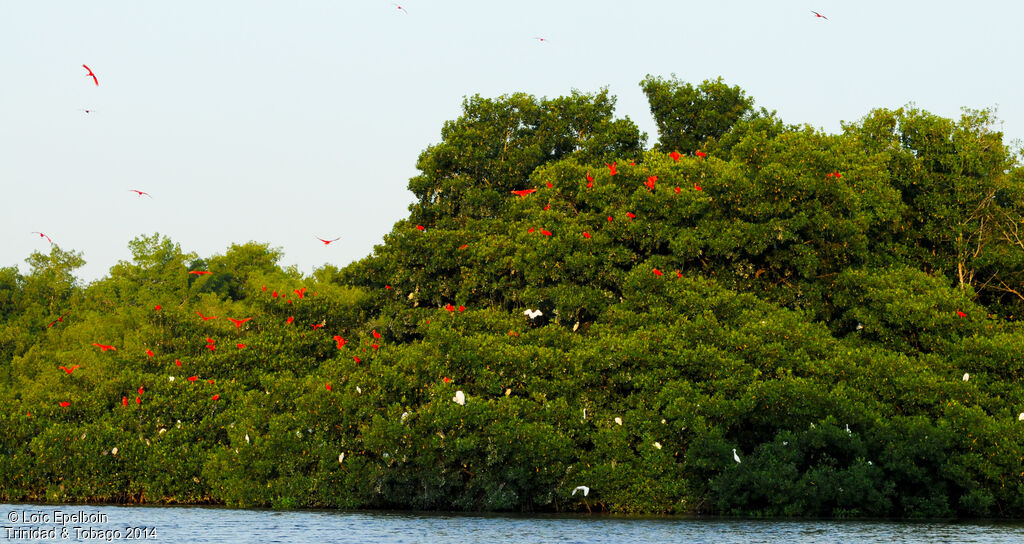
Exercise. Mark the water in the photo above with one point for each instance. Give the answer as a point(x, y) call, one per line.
point(221, 525)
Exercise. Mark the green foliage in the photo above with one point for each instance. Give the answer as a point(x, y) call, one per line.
point(836, 309)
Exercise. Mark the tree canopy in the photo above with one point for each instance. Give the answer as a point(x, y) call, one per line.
point(836, 311)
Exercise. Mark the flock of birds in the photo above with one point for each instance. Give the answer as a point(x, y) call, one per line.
point(460, 396)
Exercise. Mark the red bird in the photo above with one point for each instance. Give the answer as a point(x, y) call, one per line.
point(590, 180)
point(961, 314)
point(274, 294)
point(374, 346)
point(140, 193)
point(138, 400)
point(150, 353)
point(447, 379)
point(549, 185)
point(420, 227)
point(610, 219)
point(400, 8)
point(376, 334)
point(524, 192)
point(462, 308)
point(141, 389)
point(103, 347)
point(240, 346)
point(547, 207)
point(90, 74)
point(289, 320)
point(211, 347)
point(529, 230)
point(701, 154)
point(675, 156)
point(238, 322)
point(177, 362)
point(326, 243)
point(677, 190)
point(41, 235)
point(124, 401)
point(210, 340)
point(68, 370)
point(835, 174)
point(387, 286)
point(206, 318)
point(650, 182)
point(679, 273)
point(697, 187)
point(328, 386)
point(215, 397)
point(657, 272)
point(357, 359)
point(157, 308)
point(301, 292)
point(463, 246)
point(631, 215)
point(545, 232)
point(449, 307)
point(64, 404)
point(192, 378)
point(59, 319)
point(611, 169)
point(586, 234)
point(340, 341)
point(317, 326)
point(199, 272)
point(816, 14)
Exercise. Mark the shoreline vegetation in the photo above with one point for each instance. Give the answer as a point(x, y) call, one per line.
point(747, 318)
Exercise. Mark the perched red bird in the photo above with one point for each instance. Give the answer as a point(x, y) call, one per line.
point(545, 232)
point(206, 318)
point(289, 320)
point(834, 174)
point(463, 246)
point(611, 169)
point(192, 378)
point(339, 340)
point(92, 75)
point(449, 307)
point(375, 333)
point(177, 362)
point(68, 370)
point(64, 404)
point(328, 386)
point(420, 227)
point(210, 340)
point(529, 230)
point(374, 346)
point(697, 187)
point(124, 401)
point(547, 207)
point(524, 192)
point(650, 182)
point(215, 397)
point(141, 389)
point(356, 359)
point(149, 352)
point(317, 326)
point(238, 322)
point(157, 308)
point(675, 156)
point(240, 346)
point(326, 243)
point(590, 180)
point(199, 272)
point(104, 347)
point(679, 273)
point(610, 219)
point(211, 347)
point(549, 185)
point(960, 313)
point(138, 400)
point(677, 190)
point(657, 272)
point(274, 294)
point(701, 154)
point(631, 215)
point(301, 292)
point(462, 308)
point(446, 379)
point(586, 234)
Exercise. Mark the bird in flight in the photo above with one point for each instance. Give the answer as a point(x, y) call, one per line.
point(532, 314)
point(238, 322)
point(90, 74)
point(103, 347)
point(524, 192)
point(41, 235)
point(199, 272)
point(60, 318)
point(64, 404)
point(400, 8)
point(542, 40)
point(301, 292)
point(611, 169)
point(819, 15)
point(68, 370)
point(206, 317)
point(140, 193)
point(583, 488)
point(328, 242)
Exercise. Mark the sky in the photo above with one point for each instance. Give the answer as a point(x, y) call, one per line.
point(280, 122)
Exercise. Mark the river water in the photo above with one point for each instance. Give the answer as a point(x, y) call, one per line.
point(71, 523)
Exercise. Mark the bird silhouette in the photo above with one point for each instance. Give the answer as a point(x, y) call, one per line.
point(140, 193)
point(238, 322)
point(400, 8)
point(735, 456)
point(611, 169)
point(68, 370)
point(41, 235)
point(326, 242)
point(206, 317)
point(199, 272)
point(524, 192)
point(92, 75)
point(819, 15)
point(583, 488)
point(104, 347)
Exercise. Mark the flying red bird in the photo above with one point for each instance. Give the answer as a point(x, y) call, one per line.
point(64, 404)
point(68, 370)
point(326, 243)
point(400, 8)
point(541, 39)
point(463, 246)
point(819, 15)
point(524, 192)
point(41, 235)
point(60, 318)
point(586, 234)
point(675, 156)
point(199, 272)
point(611, 169)
point(238, 322)
point(657, 272)
point(140, 193)
point(103, 347)
point(90, 74)
point(86, 111)
point(206, 317)
point(301, 292)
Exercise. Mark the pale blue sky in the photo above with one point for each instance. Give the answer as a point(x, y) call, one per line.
point(281, 121)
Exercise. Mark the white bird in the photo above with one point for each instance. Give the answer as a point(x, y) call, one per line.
point(1020, 417)
point(341, 457)
point(618, 420)
point(405, 415)
point(583, 488)
point(533, 314)
point(400, 8)
point(848, 431)
point(584, 413)
point(358, 390)
point(859, 326)
point(170, 378)
point(113, 451)
point(459, 398)
point(966, 376)
point(657, 445)
point(246, 438)
point(576, 326)
point(735, 456)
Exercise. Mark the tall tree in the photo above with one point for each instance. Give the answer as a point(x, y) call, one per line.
point(687, 116)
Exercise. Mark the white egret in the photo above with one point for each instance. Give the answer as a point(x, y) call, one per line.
point(618, 420)
point(405, 415)
point(459, 398)
point(657, 445)
point(735, 457)
point(583, 488)
point(246, 438)
point(341, 457)
point(966, 376)
point(113, 451)
point(1020, 417)
point(848, 431)
point(533, 314)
